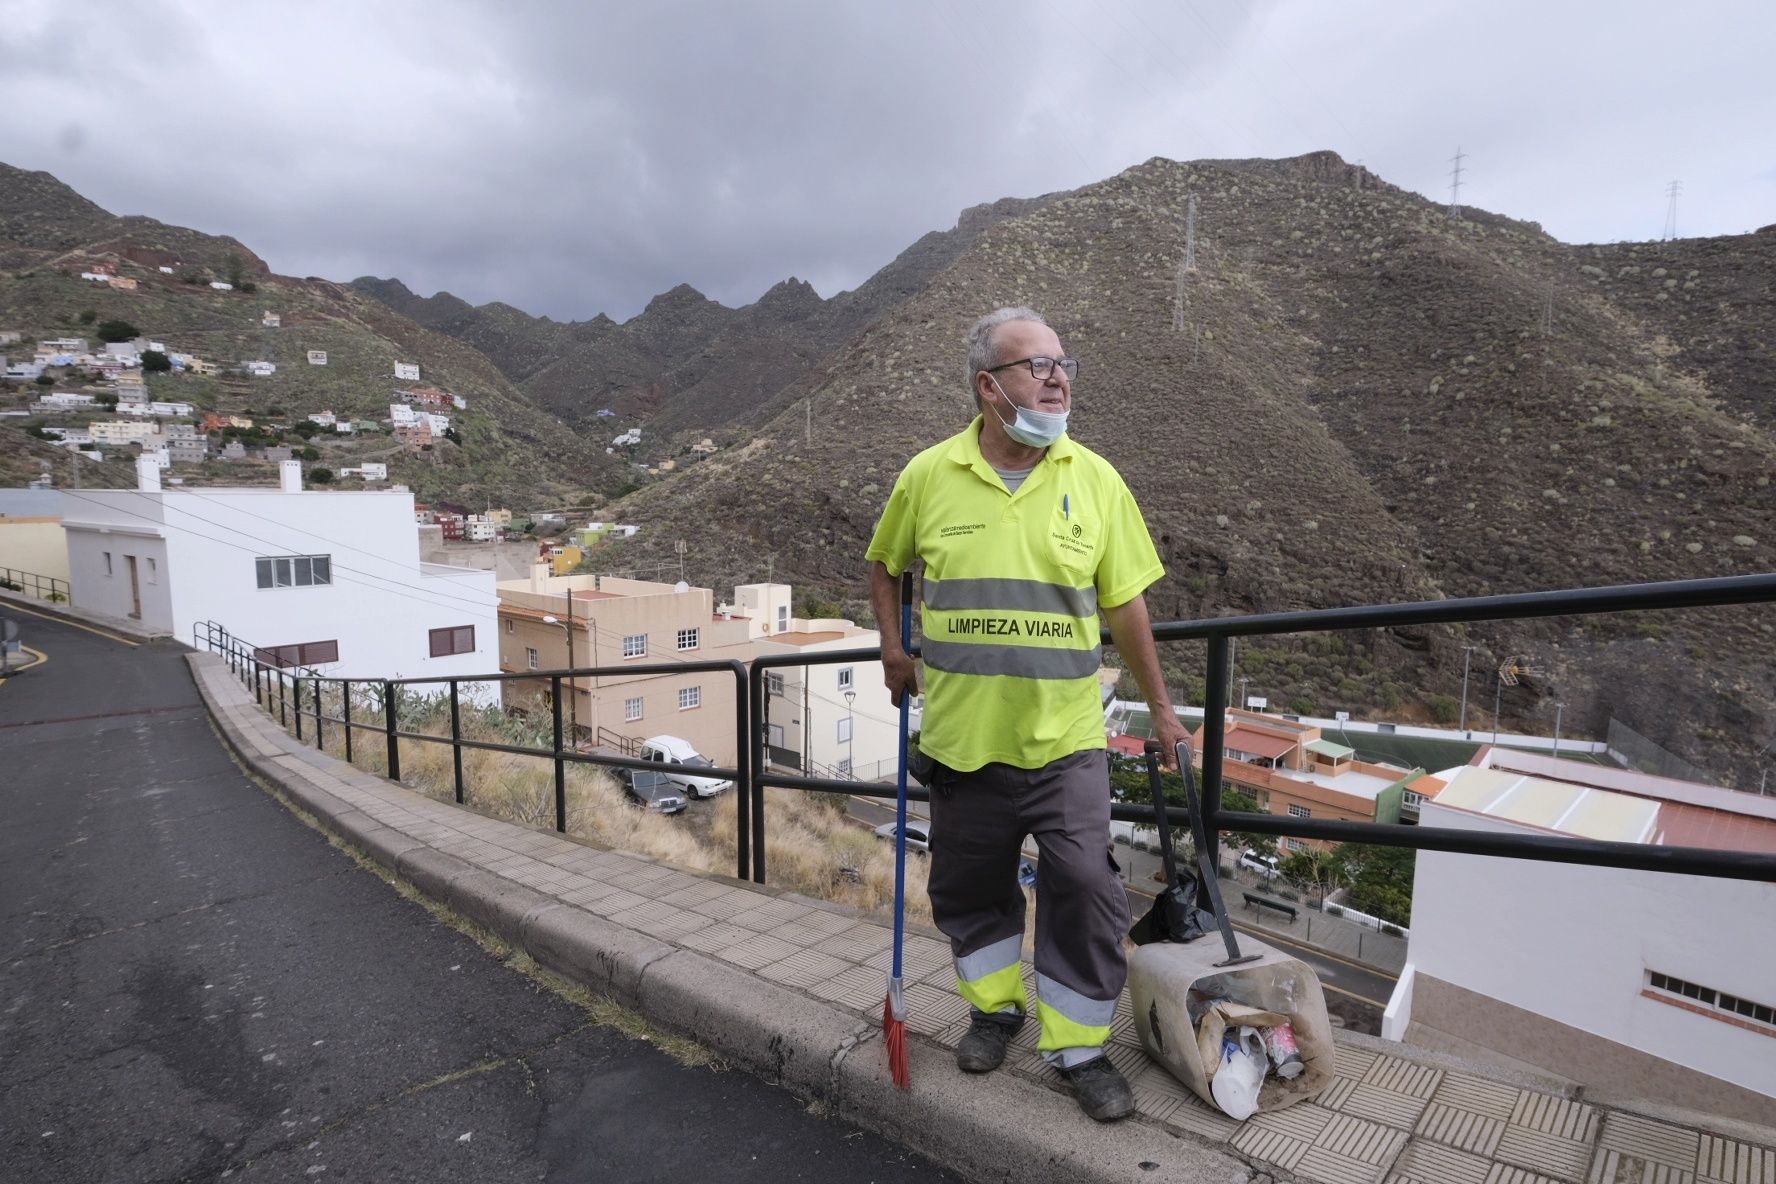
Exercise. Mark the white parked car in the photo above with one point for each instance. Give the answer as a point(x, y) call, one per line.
point(918, 833)
point(1264, 865)
point(680, 762)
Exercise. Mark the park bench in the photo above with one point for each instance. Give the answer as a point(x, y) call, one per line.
point(1264, 902)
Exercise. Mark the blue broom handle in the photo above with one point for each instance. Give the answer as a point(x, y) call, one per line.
point(900, 803)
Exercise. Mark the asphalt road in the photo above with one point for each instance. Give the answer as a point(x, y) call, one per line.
point(194, 985)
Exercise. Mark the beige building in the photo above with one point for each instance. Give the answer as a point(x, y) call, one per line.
point(615, 622)
point(35, 545)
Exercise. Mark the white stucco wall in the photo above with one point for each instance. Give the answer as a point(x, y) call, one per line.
point(1575, 943)
point(380, 607)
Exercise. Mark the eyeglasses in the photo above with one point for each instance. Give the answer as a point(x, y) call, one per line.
point(1041, 368)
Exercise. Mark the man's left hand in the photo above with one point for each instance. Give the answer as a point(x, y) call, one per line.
point(1170, 731)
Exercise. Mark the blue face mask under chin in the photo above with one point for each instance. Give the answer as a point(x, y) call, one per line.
point(1033, 429)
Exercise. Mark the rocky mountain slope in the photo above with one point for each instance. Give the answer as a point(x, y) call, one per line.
point(510, 451)
point(1357, 399)
point(687, 366)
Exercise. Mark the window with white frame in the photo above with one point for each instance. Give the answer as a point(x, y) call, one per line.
point(1295, 844)
point(844, 767)
point(635, 645)
point(844, 729)
point(782, 617)
point(1711, 998)
point(687, 638)
point(1300, 812)
point(632, 709)
point(845, 677)
point(689, 697)
point(530, 658)
point(294, 571)
point(773, 683)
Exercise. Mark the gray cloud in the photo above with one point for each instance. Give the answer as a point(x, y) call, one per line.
point(574, 158)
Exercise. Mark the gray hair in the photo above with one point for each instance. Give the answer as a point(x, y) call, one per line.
point(981, 354)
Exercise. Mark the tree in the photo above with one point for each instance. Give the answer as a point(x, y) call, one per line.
point(235, 268)
point(1322, 871)
point(155, 362)
point(320, 476)
point(117, 331)
point(306, 429)
point(46, 380)
point(311, 454)
point(1381, 880)
point(89, 316)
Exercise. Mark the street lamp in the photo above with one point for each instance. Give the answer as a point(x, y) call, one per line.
point(851, 734)
point(1467, 658)
point(573, 695)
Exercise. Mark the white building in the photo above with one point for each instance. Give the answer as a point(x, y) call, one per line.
point(62, 345)
point(370, 471)
point(1641, 984)
point(221, 287)
point(62, 402)
point(407, 370)
point(477, 529)
point(117, 432)
point(325, 580)
point(400, 414)
point(439, 424)
point(260, 369)
point(25, 370)
point(325, 419)
point(317, 357)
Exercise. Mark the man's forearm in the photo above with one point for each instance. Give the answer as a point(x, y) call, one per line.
point(1132, 631)
point(884, 592)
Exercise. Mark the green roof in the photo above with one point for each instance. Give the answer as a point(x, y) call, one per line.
point(1337, 752)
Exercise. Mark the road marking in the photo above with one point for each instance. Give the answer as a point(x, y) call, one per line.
point(38, 654)
point(74, 624)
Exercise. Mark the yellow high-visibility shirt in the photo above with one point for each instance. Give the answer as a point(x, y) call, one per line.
point(1013, 583)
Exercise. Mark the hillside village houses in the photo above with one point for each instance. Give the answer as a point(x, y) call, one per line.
point(827, 719)
point(1505, 955)
point(323, 580)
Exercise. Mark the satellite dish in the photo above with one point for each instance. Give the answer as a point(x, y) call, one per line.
point(681, 586)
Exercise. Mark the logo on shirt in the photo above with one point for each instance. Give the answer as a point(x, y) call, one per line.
point(960, 530)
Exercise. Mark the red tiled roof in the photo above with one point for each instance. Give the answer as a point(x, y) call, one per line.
point(1684, 825)
point(1259, 743)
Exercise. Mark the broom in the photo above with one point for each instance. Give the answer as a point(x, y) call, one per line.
point(894, 1006)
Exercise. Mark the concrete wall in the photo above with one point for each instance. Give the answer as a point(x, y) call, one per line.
point(99, 576)
point(36, 545)
point(380, 607)
point(1574, 944)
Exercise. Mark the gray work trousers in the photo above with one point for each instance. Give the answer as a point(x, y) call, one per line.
point(978, 823)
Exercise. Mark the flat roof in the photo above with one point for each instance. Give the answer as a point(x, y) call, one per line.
point(1552, 805)
point(806, 638)
point(1358, 785)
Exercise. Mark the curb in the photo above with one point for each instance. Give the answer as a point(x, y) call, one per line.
point(1004, 1128)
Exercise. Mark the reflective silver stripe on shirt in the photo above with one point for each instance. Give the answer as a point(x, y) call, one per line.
point(1022, 595)
point(1019, 661)
point(990, 959)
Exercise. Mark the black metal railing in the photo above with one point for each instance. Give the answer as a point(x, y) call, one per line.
point(276, 687)
point(278, 690)
point(31, 584)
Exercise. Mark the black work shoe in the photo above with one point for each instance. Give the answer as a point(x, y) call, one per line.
point(983, 1048)
point(1102, 1092)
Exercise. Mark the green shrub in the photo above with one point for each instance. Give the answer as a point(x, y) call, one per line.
point(116, 331)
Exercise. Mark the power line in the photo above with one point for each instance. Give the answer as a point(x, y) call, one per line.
point(1671, 192)
point(1455, 185)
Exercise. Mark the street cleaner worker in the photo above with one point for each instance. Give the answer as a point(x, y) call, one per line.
point(1026, 536)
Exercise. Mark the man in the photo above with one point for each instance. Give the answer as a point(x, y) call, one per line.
point(1025, 537)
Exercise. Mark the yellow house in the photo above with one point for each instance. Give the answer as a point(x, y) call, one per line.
point(564, 559)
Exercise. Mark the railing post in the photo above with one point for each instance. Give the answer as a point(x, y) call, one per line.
point(345, 710)
point(297, 680)
point(456, 740)
point(560, 764)
point(319, 742)
point(283, 701)
point(394, 742)
point(259, 683)
point(750, 745)
point(1214, 743)
point(750, 821)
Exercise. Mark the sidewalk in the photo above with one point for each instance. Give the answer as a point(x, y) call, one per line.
point(791, 989)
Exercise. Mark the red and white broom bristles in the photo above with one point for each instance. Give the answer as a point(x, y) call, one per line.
point(894, 1035)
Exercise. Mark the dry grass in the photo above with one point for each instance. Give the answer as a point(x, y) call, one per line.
point(811, 848)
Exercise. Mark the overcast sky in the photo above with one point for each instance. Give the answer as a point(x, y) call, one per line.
point(573, 157)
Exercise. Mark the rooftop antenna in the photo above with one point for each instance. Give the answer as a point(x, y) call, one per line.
point(1455, 185)
point(1671, 192)
point(681, 548)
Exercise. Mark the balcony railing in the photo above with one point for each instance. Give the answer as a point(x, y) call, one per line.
point(31, 584)
point(298, 697)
